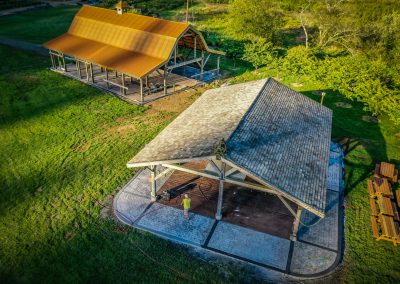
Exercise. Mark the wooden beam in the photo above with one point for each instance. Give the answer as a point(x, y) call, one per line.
point(287, 206)
point(231, 172)
point(296, 224)
point(164, 173)
point(153, 195)
point(115, 84)
point(184, 63)
point(218, 214)
point(278, 192)
point(212, 175)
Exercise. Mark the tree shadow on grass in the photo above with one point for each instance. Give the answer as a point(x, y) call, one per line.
point(362, 142)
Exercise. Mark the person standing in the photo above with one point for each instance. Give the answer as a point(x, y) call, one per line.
point(186, 206)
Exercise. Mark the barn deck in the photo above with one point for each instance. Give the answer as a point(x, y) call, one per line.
point(153, 91)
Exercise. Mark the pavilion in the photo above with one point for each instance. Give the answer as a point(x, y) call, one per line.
point(259, 135)
point(132, 56)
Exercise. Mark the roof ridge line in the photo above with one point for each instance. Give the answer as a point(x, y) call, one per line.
point(248, 110)
point(115, 25)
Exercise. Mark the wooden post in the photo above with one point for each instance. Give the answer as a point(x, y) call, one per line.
point(52, 60)
point(218, 59)
point(87, 71)
point(64, 65)
point(108, 85)
point(176, 48)
point(153, 195)
point(91, 72)
point(141, 90)
point(165, 79)
point(147, 81)
point(296, 224)
point(78, 70)
point(218, 215)
point(123, 84)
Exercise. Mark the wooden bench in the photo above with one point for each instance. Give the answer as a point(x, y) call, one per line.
point(389, 171)
point(385, 206)
point(374, 226)
point(371, 188)
point(395, 212)
point(373, 206)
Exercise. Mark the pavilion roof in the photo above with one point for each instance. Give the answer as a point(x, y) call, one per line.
point(132, 44)
point(273, 134)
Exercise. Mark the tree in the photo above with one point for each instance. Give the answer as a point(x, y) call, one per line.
point(251, 19)
point(259, 52)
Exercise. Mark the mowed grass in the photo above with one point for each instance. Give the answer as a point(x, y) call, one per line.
point(38, 26)
point(64, 148)
point(365, 143)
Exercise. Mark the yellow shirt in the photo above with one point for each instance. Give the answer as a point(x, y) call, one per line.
point(186, 203)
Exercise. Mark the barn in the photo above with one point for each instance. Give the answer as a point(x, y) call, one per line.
point(134, 57)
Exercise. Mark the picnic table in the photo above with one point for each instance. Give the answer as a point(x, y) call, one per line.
point(383, 187)
point(386, 170)
point(385, 205)
point(390, 231)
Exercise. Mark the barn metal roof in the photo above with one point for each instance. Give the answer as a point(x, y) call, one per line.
point(274, 134)
point(130, 43)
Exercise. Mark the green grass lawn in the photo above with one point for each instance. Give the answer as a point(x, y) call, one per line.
point(64, 147)
point(38, 26)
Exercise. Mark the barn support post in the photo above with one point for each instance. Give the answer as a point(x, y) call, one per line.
point(153, 181)
point(108, 85)
point(165, 79)
point(218, 215)
point(296, 224)
point(141, 89)
point(64, 65)
point(52, 60)
point(87, 71)
point(123, 84)
point(91, 72)
point(147, 81)
point(78, 67)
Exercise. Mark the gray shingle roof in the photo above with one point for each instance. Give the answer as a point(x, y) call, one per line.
point(279, 136)
point(195, 132)
point(284, 140)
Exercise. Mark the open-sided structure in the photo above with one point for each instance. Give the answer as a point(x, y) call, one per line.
point(260, 135)
point(133, 56)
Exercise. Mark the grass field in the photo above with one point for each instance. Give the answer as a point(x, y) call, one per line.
point(64, 146)
point(38, 26)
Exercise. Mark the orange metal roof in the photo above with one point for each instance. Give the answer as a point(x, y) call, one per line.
point(130, 43)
